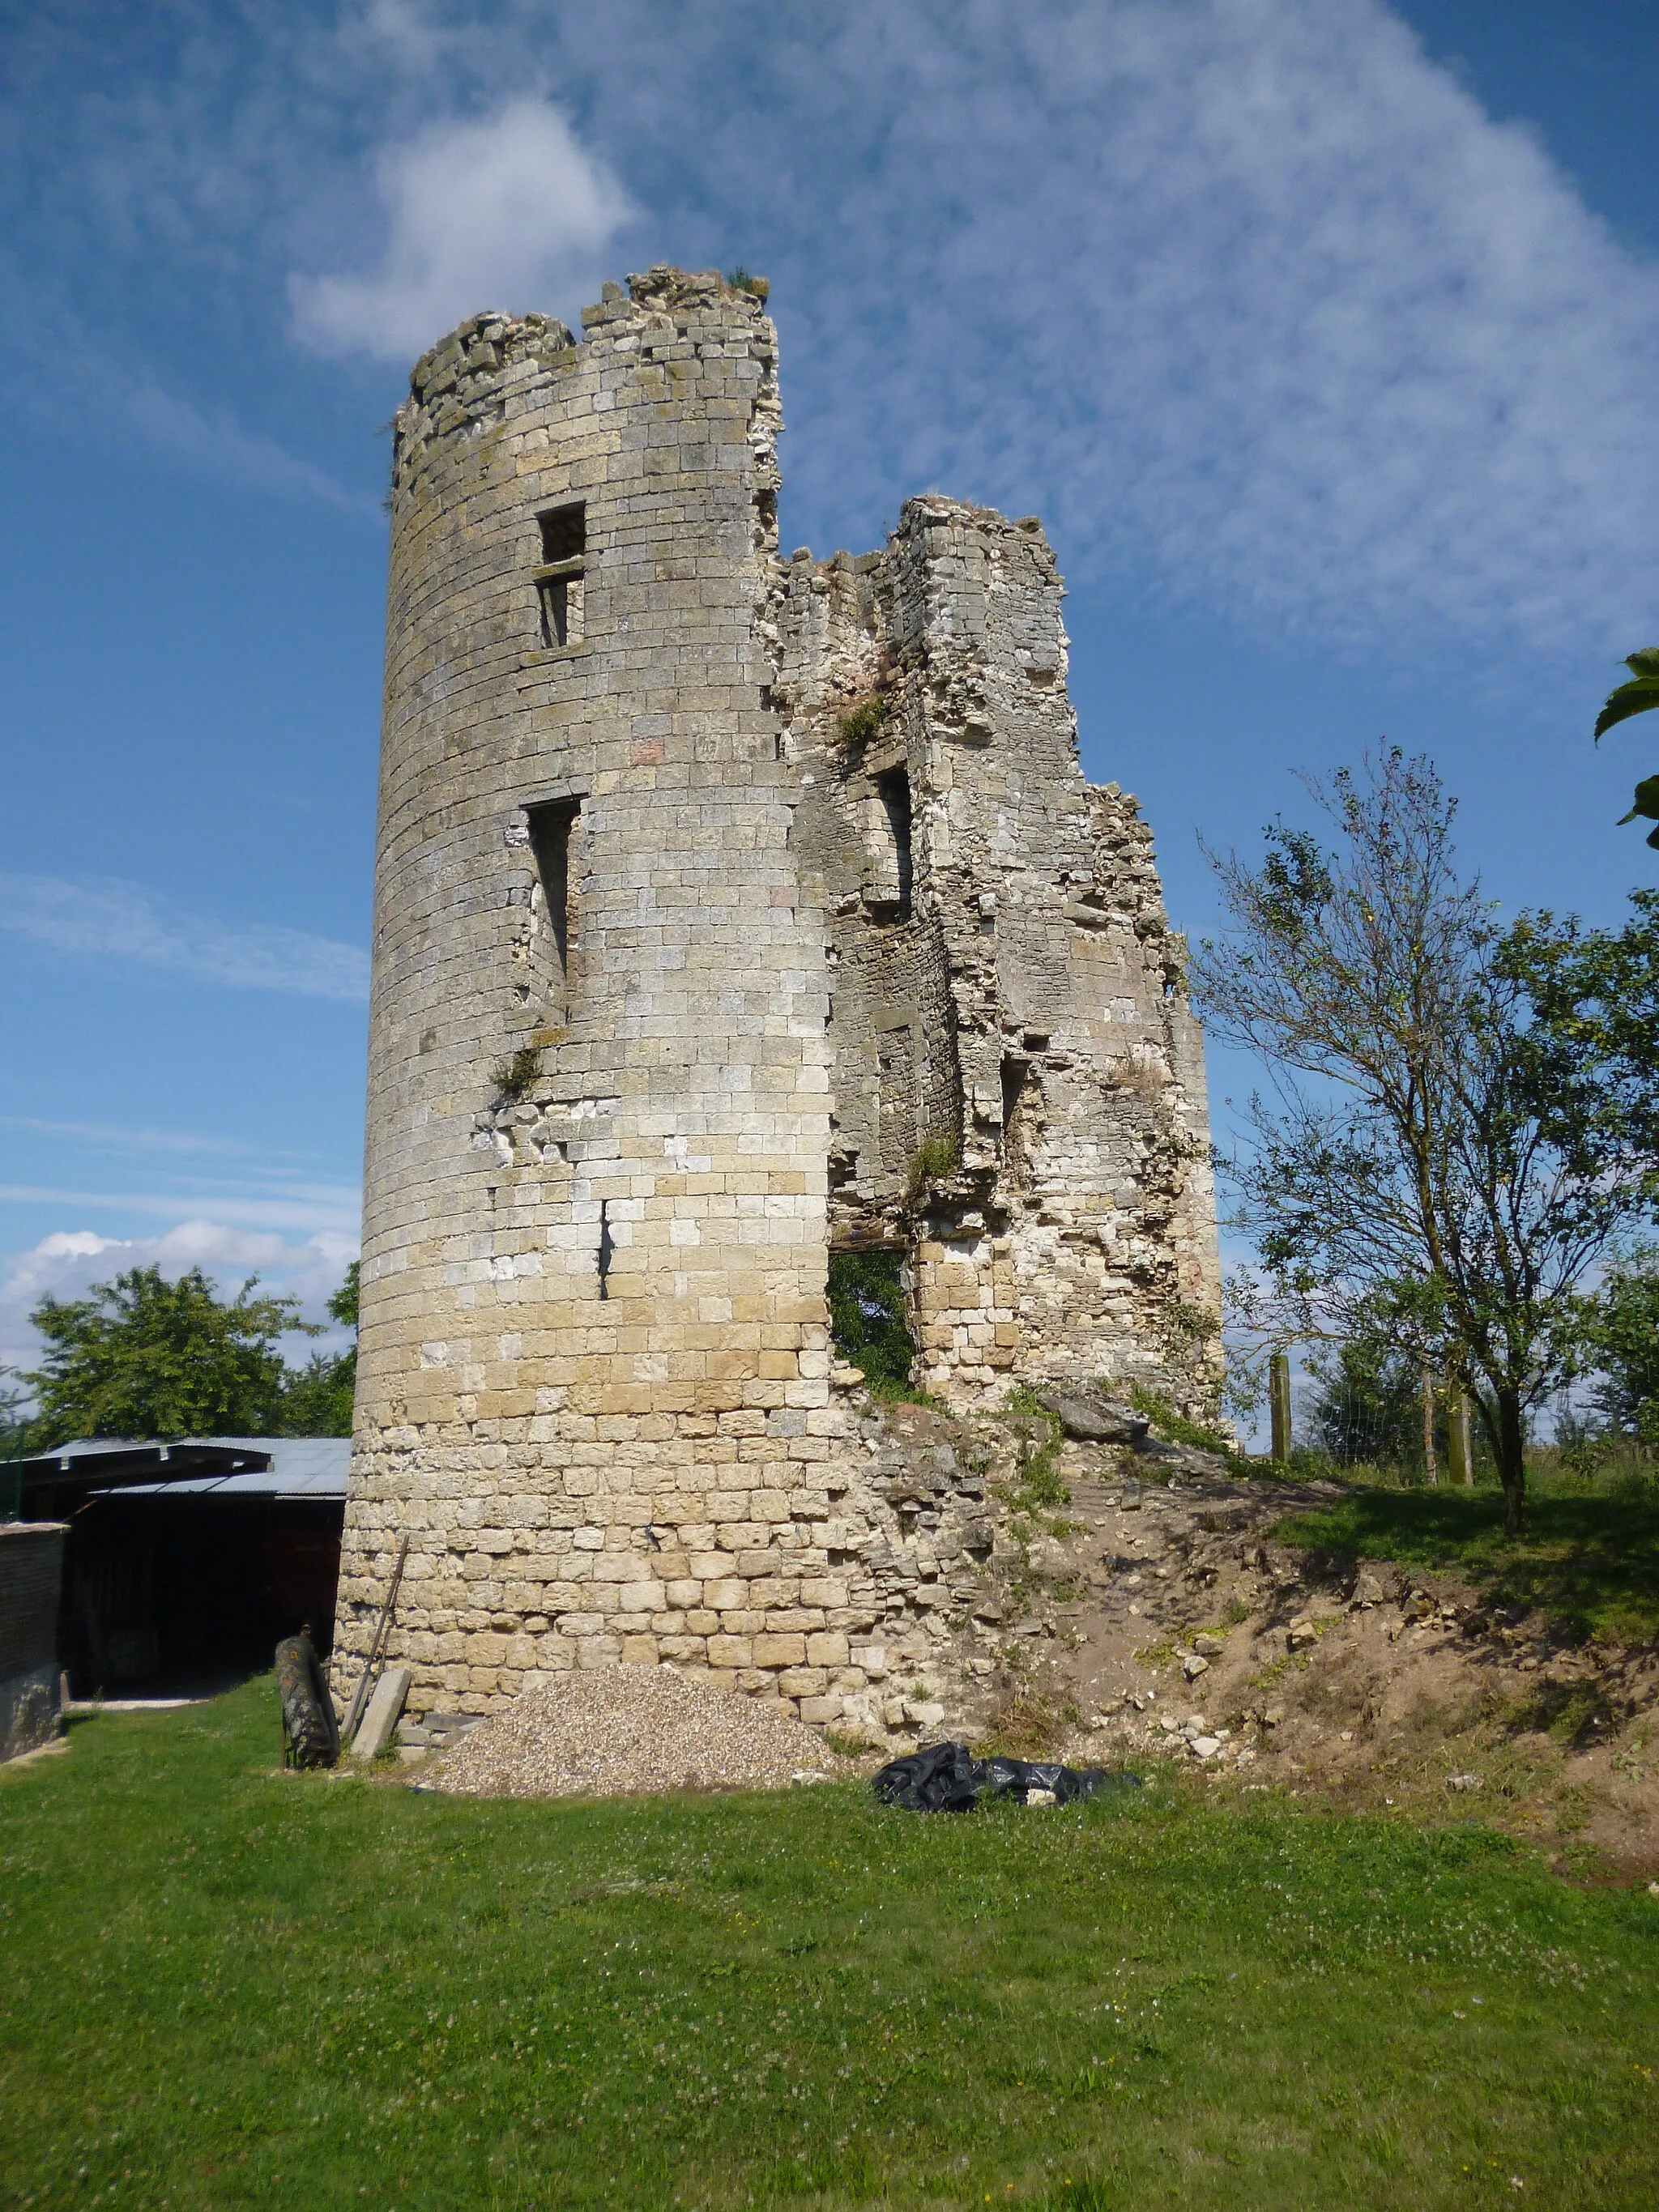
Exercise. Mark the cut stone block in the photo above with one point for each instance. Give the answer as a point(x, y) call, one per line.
point(374, 1731)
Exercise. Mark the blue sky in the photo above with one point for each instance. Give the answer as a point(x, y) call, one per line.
point(1323, 334)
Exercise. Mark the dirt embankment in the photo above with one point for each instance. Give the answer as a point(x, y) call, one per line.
point(1152, 1611)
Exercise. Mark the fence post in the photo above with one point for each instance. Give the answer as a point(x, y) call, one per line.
point(1278, 1403)
point(1459, 1446)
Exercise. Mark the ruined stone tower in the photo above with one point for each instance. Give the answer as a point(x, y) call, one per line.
point(728, 909)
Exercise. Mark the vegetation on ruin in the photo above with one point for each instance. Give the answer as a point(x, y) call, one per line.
point(934, 1157)
point(260, 1990)
point(512, 1079)
point(1169, 1422)
point(740, 280)
point(863, 721)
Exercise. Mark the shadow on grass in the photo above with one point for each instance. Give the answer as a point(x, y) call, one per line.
point(1592, 1564)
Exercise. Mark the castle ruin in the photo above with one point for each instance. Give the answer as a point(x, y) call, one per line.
point(730, 911)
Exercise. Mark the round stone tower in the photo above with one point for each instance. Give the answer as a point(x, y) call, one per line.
point(593, 1361)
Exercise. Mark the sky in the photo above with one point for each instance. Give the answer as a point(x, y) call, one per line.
point(1322, 334)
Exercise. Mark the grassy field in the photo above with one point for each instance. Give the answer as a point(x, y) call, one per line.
point(1591, 1562)
point(224, 1988)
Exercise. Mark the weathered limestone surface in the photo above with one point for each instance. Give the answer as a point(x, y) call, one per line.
point(745, 967)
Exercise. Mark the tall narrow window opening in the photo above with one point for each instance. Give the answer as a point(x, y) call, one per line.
point(552, 833)
point(559, 577)
point(894, 791)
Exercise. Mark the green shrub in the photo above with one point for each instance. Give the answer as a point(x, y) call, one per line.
point(863, 721)
point(867, 1320)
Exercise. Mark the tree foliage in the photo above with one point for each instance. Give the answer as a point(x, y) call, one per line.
point(1638, 697)
point(317, 1399)
point(144, 1357)
point(1454, 1132)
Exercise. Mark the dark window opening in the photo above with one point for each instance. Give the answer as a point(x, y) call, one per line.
point(1016, 1104)
point(868, 1322)
point(560, 577)
point(894, 791)
point(607, 1247)
point(552, 828)
point(564, 532)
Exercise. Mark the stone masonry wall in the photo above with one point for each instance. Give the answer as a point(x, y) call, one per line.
point(1033, 984)
point(654, 999)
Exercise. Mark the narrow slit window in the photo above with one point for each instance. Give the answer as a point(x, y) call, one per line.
point(552, 835)
point(894, 792)
point(559, 576)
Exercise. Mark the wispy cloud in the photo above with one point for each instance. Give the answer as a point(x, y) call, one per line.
point(508, 211)
point(111, 1137)
point(336, 1209)
point(111, 920)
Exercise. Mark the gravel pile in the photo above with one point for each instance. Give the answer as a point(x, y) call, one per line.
point(628, 1731)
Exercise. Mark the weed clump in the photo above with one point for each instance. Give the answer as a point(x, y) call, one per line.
point(863, 721)
point(934, 1157)
point(741, 280)
point(512, 1079)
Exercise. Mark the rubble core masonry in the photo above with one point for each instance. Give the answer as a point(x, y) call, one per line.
point(729, 910)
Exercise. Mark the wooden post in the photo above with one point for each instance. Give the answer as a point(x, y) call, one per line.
point(1278, 1403)
point(1459, 1450)
point(1431, 1467)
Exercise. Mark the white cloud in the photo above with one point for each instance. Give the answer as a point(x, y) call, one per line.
point(1252, 300)
point(112, 921)
point(508, 211)
point(67, 1263)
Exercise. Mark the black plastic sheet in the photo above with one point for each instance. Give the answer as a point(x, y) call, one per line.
point(946, 1777)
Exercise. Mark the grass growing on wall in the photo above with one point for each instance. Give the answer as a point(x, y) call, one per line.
point(224, 1989)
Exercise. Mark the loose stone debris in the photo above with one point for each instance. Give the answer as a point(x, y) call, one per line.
point(628, 1731)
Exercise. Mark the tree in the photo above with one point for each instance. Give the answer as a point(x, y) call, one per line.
point(1363, 1404)
point(1439, 1164)
point(1637, 697)
point(1621, 1332)
point(143, 1357)
point(318, 1400)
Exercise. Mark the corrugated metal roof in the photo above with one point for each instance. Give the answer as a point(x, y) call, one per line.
point(249, 1467)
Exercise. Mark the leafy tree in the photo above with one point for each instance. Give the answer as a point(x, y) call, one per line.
point(867, 1323)
point(143, 1357)
point(1621, 1333)
point(1439, 1162)
point(318, 1400)
point(1364, 1405)
point(1637, 697)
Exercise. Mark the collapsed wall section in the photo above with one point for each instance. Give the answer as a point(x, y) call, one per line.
point(1019, 1082)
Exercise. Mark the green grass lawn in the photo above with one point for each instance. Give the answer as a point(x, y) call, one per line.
point(224, 1988)
point(1592, 1563)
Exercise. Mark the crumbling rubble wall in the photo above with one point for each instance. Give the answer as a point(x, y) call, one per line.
point(659, 1012)
point(1003, 980)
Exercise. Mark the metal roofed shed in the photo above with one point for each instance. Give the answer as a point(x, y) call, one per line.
point(187, 1561)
